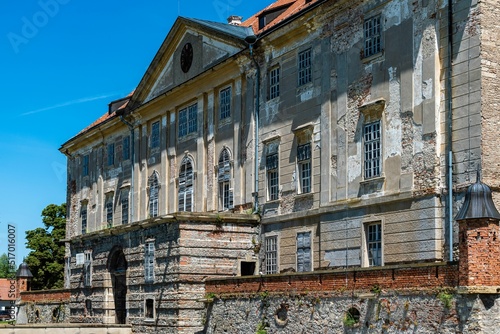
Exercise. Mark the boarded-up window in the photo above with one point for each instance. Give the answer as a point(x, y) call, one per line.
point(149, 261)
point(304, 251)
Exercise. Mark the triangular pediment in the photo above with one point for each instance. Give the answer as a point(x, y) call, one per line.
point(192, 47)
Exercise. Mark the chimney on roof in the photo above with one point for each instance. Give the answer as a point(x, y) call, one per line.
point(234, 20)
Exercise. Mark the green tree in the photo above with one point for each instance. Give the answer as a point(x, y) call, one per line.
point(46, 260)
point(6, 271)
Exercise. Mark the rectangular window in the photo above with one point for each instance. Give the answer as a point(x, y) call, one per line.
point(274, 83)
point(272, 254)
point(126, 148)
point(374, 244)
point(188, 120)
point(83, 214)
point(225, 103)
point(304, 67)
point(372, 149)
point(150, 307)
point(304, 164)
point(85, 165)
point(124, 202)
point(109, 210)
point(87, 269)
point(155, 135)
point(372, 36)
point(304, 251)
point(111, 154)
point(149, 262)
point(272, 176)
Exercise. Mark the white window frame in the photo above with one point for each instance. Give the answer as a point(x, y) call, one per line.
point(274, 82)
point(225, 97)
point(372, 149)
point(149, 261)
point(125, 206)
point(84, 217)
point(272, 175)
point(372, 31)
point(304, 67)
point(188, 120)
point(224, 180)
point(87, 269)
point(153, 191)
point(304, 166)
point(186, 185)
point(271, 244)
point(300, 266)
point(369, 230)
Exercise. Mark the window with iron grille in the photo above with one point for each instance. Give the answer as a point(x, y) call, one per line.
point(153, 194)
point(372, 29)
point(155, 134)
point(188, 120)
point(224, 179)
point(85, 165)
point(124, 202)
point(225, 103)
point(304, 67)
point(274, 83)
point(271, 254)
point(126, 148)
point(374, 244)
point(272, 176)
point(111, 154)
point(109, 210)
point(83, 214)
point(304, 164)
point(372, 149)
point(186, 185)
point(304, 251)
point(149, 261)
point(87, 269)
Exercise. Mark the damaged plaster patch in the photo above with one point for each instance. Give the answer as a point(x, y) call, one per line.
point(427, 89)
point(393, 130)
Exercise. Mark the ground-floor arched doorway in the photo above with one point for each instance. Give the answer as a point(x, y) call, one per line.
point(117, 265)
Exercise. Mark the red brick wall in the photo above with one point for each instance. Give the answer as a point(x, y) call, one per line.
point(435, 275)
point(46, 295)
point(479, 253)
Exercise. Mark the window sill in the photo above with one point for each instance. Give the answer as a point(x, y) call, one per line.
point(304, 195)
point(149, 320)
point(373, 185)
point(373, 57)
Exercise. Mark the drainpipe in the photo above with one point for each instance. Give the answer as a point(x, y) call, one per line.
point(450, 128)
point(132, 156)
point(250, 40)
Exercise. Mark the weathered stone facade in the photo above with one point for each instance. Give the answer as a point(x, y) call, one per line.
point(341, 123)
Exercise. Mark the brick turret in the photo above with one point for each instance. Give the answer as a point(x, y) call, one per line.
point(479, 241)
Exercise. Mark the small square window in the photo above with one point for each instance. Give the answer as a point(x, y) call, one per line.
point(304, 67)
point(372, 29)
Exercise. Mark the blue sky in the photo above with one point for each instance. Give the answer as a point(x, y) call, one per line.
point(61, 63)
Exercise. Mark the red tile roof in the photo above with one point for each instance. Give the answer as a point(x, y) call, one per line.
point(294, 6)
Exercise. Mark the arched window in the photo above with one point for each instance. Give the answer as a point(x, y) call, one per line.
point(186, 185)
point(224, 179)
point(153, 194)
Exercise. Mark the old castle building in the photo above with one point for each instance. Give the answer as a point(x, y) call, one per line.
point(316, 134)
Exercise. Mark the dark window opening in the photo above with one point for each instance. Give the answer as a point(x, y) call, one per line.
point(247, 268)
